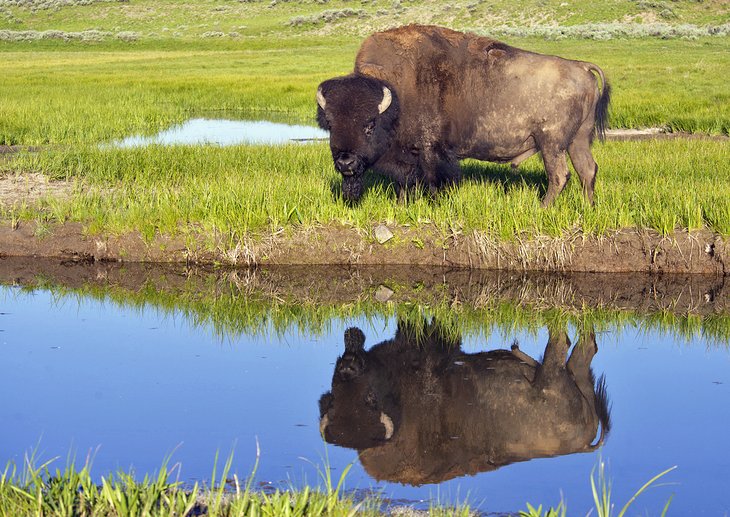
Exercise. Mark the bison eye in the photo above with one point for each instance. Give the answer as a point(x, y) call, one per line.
point(369, 128)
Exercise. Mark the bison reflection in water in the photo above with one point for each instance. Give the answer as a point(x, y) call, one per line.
point(420, 410)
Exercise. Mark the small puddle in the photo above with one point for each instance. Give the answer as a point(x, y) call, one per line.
point(206, 131)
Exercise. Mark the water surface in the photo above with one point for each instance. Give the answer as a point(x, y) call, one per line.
point(134, 382)
point(199, 131)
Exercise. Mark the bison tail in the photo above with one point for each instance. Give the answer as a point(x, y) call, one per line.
point(602, 104)
point(603, 409)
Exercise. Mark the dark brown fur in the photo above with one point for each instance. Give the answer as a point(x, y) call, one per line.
point(455, 413)
point(459, 95)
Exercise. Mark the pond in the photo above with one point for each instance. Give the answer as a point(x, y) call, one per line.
point(134, 363)
point(224, 131)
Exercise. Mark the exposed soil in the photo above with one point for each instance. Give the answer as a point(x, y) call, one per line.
point(621, 252)
point(30, 187)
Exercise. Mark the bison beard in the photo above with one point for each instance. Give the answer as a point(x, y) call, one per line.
point(352, 188)
point(421, 98)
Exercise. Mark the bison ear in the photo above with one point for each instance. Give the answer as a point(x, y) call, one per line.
point(496, 53)
point(320, 98)
point(354, 340)
point(387, 99)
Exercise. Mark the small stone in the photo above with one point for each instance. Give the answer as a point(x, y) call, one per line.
point(383, 234)
point(383, 294)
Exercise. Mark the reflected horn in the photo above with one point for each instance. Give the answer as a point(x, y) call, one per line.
point(323, 423)
point(388, 424)
point(320, 99)
point(387, 99)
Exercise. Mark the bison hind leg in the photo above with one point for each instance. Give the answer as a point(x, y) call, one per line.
point(582, 158)
point(438, 169)
point(558, 173)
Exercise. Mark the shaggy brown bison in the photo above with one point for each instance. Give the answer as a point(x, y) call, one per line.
point(421, 98)
point(419, 410)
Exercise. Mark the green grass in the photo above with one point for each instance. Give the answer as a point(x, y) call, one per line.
point(41, 489)
point(91, 95)
point(71, 96)
point(166, 19)
point(243, 190)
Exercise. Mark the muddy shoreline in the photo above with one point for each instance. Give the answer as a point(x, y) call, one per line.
point(625, 251)
point(701, 295)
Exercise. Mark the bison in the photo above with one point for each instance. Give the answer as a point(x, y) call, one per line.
point(421, 98)
point(419, 410)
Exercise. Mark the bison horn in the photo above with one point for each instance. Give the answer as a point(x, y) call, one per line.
point(323, 423)
point(387, 99)
point(388, 424)
point(320, 98)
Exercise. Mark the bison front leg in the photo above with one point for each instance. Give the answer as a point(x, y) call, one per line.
point(439, 169)
point(579, 365)
point(556, 166)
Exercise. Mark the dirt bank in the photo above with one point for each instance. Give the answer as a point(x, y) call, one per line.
point(624, 251)
point(701, 295)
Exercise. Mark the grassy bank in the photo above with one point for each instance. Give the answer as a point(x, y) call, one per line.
point(243, 190)
point(46, 489)
point(77, 74)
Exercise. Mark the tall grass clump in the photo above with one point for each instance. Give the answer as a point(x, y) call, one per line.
point(601, 489)
point(38, 489)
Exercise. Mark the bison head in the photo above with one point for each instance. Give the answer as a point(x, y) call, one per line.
point(360, 114)
point(358, 412)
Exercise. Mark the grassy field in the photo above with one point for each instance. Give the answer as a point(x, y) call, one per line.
point(47, 489)
point(243, 189)
point(76, 74)
point(92, 94)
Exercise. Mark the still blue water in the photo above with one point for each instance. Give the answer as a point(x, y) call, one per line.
point(136, 385)
point(228, 132)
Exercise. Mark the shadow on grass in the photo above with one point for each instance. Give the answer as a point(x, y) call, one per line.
point(531, 176)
